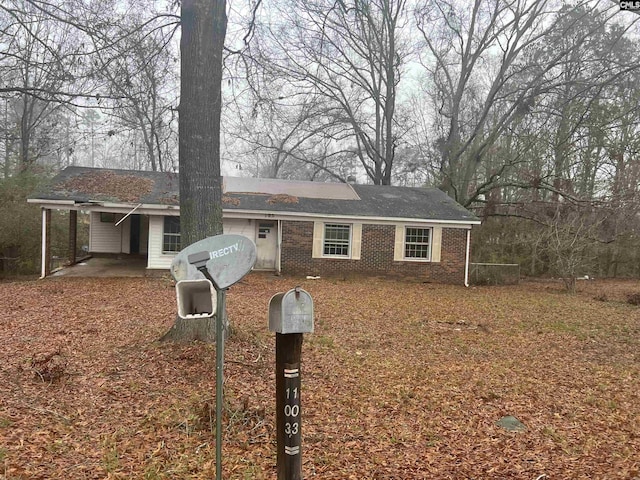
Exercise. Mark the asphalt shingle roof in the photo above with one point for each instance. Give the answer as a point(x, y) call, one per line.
point(84, 185)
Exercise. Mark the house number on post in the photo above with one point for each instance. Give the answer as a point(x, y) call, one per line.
point(291, 409)
point(290, 316)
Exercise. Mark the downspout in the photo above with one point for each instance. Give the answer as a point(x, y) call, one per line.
point(43, 265)
point(466, 262)
point(279, 248)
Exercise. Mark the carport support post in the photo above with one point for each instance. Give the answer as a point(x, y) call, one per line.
point(288, 414)
point(46, 242)
point(73, 230)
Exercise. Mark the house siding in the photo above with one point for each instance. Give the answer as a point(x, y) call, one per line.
point(240, 226)
point(377, 257)
point(156, 258)
point(104, 237)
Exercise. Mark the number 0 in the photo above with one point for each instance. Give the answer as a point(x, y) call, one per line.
point(291, 411)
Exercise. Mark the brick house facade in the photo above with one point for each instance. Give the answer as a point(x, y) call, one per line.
point(377, 256)
point(297, 227)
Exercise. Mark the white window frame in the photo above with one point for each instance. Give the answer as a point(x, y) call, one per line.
point(169, 234)
point(404, 244)
point(324, 239)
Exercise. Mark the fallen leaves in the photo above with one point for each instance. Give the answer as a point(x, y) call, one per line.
point(49, 367)
point(399, 381)
point(125, 188)
point(282, 198)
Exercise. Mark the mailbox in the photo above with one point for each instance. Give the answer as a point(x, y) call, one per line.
point(196, 298)
point(291, 312)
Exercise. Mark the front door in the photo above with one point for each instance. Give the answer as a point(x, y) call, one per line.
point(266, 245)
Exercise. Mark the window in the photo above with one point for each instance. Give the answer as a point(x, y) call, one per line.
point(264, 229)
point(107, 217)
point(171, 234)
point(336, 240)
point(417, 243)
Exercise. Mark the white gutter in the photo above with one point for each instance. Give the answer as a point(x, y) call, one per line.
point(466, 262)
point(123, 218)
point(101, 206)
point(235, 212)
point(242, 213)
point(43, 266)
point(46, 202)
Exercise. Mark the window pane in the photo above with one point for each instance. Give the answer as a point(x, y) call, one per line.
point(417, 242)
point(171, 243)
point(336, 239)
point(171, 224)
point(171, 234)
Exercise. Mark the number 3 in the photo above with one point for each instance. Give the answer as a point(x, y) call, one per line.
point(291, 429)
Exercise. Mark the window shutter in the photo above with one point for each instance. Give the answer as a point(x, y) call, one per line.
point(356, 241)
point(436, 244)
point(398, 250)
point(318, 235)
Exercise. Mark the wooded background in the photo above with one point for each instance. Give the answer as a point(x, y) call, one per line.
point(525, 112)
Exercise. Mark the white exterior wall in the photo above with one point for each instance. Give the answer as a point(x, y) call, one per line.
point(104, 237)
point(155, 257)
point(240, 226)
point(160, 260)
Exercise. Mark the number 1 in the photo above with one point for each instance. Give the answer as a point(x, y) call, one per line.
point(295, 393)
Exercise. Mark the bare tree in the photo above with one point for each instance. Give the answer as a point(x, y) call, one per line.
point(347, 56)
point(139, 72)
point(489, 66)
point(109, 55)
point(288, 140)
point(569, 241)
point(38, 59)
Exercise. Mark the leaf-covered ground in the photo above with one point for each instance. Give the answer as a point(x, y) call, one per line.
point(400, 381)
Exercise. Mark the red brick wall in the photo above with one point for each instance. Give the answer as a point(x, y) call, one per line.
point(376, 256)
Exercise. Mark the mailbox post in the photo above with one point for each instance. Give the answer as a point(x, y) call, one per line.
point(290, 316)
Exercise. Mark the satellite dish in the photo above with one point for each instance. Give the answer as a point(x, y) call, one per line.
point(228, 258)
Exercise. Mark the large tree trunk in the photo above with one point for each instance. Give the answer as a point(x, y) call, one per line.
point(203, 31)
point(204, 24)
point(191, 330)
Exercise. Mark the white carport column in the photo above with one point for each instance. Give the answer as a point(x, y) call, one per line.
point(46, 243)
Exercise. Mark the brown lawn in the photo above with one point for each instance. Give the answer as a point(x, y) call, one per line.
point(400, 381)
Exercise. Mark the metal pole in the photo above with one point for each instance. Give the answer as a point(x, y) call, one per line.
point(220, 311)
point(221, 297)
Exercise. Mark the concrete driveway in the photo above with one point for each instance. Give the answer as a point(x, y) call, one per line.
point(107, 267)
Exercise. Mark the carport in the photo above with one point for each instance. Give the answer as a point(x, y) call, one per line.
point(106, 267)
